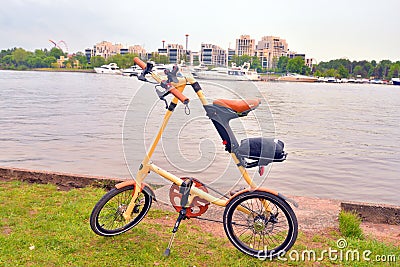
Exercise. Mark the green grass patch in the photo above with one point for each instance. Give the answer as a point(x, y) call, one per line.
point(349, 225)
point(41, 226)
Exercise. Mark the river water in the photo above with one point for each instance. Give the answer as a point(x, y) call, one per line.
point(343, 140)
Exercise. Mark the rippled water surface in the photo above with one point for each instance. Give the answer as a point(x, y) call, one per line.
point(343, 140)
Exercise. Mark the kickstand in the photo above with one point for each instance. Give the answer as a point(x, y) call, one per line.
point(181, 216)
point(185, 191)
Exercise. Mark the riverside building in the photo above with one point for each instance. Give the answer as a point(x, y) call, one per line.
point(270, 49)
point(213, 55)
point(245, 46)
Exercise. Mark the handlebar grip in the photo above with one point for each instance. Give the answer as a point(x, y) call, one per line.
point(140, 63)
point(179, 95)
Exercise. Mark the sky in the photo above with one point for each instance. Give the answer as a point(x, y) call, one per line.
point(321, 29)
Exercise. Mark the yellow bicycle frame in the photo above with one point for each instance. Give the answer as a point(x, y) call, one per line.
point(147, 166)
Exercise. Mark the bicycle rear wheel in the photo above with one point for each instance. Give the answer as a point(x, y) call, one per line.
point(107, 215)
point(259, 231)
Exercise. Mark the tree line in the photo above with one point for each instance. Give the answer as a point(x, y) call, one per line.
point(20, 59)
point(344, 68)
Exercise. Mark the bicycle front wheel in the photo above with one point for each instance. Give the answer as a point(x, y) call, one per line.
point(107, 216)
point(260, 224)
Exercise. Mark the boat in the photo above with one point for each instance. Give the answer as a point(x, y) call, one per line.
point(396, 81)
point(235, 73)
point(200, 67)
point(294, 77)
point(134, 70)
point(376, 81)
point(111, 68)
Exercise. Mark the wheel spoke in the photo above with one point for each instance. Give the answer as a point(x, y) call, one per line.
point(266, 227)
point(107, 216)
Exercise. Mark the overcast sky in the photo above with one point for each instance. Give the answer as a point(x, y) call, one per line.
point(324, 30)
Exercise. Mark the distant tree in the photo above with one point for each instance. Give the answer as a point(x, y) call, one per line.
point(331, 73)
point(20, 56)
point(8, 62)
point(160, 59)
point(48, 61)
point(383, 69)
point(123, 61)
point(318, 73)
point(40, 53)
point(34, 62)
point(296, 65)
point(394, 71)
point(342, 72)
point(81, 57)
point(56, 52)
point(359, 71)
point(256, 64)
point(97, 61)
point(282, 64)
point(4, 53)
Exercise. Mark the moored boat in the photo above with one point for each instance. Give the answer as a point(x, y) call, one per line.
point(396, 81)
point(235, 73)
point(294, 77)
point(111, 68)
point(132, 71)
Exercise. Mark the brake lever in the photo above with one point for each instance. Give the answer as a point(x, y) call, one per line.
point(147, 70)
point(161, 95)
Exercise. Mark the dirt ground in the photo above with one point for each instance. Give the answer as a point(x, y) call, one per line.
point(314, 215)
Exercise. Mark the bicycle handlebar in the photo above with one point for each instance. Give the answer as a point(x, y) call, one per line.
point(168, 86)
point(140, 63)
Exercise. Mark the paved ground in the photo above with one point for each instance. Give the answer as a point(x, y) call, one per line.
point(315, 215)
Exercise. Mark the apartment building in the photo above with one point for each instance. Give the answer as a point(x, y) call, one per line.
point(270, 49)
point(107, 49)
point(213, 55)
point(138, 50)
point(245, 46)
point(174, 52)
point(231, 53)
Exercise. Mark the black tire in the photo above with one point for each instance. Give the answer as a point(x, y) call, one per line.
point(106, 218)
point(260, 233)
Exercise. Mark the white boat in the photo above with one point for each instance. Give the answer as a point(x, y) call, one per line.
point(111, 68)
point(200, 67)
point(294, 77)
point(242, 73)
point(134, 70)
point(396, 81)
point(376, 81)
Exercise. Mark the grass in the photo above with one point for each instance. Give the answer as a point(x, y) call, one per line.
point(41, 226)
point(349, 225)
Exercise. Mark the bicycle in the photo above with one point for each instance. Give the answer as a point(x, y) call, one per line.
point(258, 221)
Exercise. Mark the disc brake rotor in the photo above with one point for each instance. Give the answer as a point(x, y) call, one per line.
point(198, 206)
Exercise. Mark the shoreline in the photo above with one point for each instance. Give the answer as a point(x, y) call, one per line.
point(264, 77)
point(318, 208)
point(55, 70)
